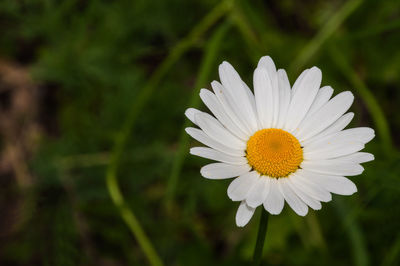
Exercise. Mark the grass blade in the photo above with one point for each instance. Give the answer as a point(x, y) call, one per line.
point(324, 33)
point(203, 76)
point(370, 101)
point(111, 173)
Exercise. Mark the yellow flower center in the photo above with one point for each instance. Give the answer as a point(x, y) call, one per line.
point(274, 152)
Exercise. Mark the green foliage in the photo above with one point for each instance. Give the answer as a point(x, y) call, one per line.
point(93, 60)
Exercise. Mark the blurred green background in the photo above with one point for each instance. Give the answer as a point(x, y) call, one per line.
point(93, 93)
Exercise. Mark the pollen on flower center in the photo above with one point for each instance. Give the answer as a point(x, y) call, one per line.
point(274, 152)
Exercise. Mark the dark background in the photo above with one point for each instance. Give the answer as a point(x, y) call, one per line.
point(95, 91)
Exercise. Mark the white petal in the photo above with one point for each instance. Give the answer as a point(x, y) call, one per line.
point(230, 107)
point(215, 130)
point(326, 115)
point(252, 102)
point(212, 103)
point(298, 81)
point(335, 184)
point(358, 134)
point(323, 96)
point(237, 92)
point(363, 134)
point(284, 97)
point(217, 155)
point(190, 113)
point(337, 126)
point(240, 186)
point(274, 202)
point(291, 198)
point(202, 137)
point(267, 63)
point(306, 198)
point(312, 189)
point(258, 193)
point(244, 214)
point(333, 167)
point(358, 157)
point(303, 98)
point(332, 150)
point(223, 170)
point(263, 95)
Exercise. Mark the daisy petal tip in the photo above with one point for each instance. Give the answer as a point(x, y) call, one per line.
point(189, 113)
point(316, 73)
point(361, 169)
point(192, 150)
point(243, 214)
point(257, 72)
point(225, 66)
point(274, 212)
point(252, 204)
point(354, 189)
point(372, 133)
point(350, 94)
point(241, 223)
point(282, 73)
point(266, 57)
point(371, 157)
point(316, 70)
point(369, 134)
point(206, 173)
point(318, 208)
point(202, 92)
point(329, 198)
point(230, 194)
point(214, 83)
point(347, 93)
point(329, 88)
point(301, 212)
point(358, 169)
point(265, 61)
point(203, 172)
point(348, 97)
point(350, 190)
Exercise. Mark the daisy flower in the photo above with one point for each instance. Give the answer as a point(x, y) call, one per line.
point(280, 143)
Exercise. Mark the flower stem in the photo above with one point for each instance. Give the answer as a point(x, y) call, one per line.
point(262, 231)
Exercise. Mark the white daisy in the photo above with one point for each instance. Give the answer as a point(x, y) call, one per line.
point(281, 143)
